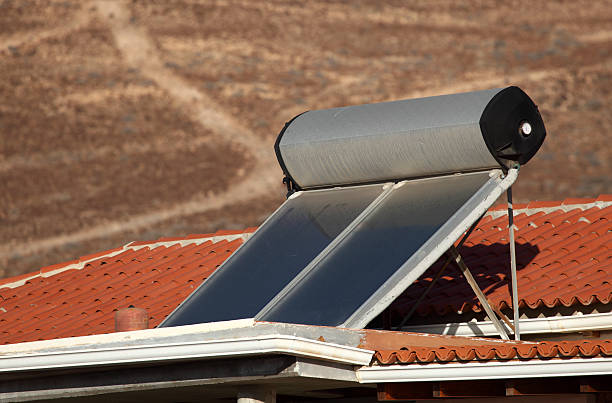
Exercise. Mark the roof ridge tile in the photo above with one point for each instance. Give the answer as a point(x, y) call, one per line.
point(578, 200)
point(602, 201)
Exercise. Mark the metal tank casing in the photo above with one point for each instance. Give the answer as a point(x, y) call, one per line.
point(408, 139)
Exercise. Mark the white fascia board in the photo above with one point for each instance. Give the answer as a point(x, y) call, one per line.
point(485, 370)
point(130, 337)
point(555, 324)
point(133, 354)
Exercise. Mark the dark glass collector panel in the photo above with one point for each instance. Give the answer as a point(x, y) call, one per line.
point(359, 265)
point(267, 262)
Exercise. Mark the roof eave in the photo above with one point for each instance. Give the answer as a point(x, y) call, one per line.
point(484, 370)
point(212, 358)
point(240, 338)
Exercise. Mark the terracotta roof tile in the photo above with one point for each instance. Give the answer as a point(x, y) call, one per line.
point(448, 350)
point(82, 301)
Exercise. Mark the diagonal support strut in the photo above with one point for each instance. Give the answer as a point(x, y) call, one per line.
point(481, 297)
point(438, 275)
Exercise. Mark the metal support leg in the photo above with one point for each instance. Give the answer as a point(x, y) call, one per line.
point(517, 334)
point(481, 297)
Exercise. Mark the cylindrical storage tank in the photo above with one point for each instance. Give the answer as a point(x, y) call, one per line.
point(411, 138)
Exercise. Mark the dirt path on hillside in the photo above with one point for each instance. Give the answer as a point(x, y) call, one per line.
point(502, 79)
point(481, 83)
point(139, 51)
point(80, 19)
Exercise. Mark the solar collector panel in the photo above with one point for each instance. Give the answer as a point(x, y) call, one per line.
point(292, 237)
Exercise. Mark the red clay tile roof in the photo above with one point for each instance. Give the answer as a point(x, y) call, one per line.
point(80, 297)
point(563, 252)
point(488, 350)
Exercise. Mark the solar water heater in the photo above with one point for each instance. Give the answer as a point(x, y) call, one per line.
point(377, 193)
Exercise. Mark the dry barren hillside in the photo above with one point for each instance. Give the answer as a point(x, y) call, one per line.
point(134, 120)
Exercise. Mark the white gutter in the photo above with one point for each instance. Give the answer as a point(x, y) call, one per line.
point(133, 354)
point(485, 370)
point(555, 324)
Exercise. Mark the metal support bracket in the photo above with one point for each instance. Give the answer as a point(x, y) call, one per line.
point(291, 187)
point(481, 297)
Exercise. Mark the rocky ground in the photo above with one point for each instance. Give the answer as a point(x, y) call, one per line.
point(124, 121)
